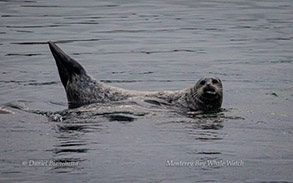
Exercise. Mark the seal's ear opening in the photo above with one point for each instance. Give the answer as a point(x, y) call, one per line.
point(66, 65)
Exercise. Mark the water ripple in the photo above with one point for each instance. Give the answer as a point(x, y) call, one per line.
point(59, 41)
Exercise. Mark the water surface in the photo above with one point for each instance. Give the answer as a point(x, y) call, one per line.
point(154, 45)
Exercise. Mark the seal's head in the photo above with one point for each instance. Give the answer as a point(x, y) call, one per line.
point(209, 93)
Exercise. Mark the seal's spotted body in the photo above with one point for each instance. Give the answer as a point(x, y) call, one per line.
point(81, 89)
point(84, 90)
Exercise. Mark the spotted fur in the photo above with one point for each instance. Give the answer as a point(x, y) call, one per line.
point(81, 89)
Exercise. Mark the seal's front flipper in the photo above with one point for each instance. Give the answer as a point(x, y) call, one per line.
point(67, 67)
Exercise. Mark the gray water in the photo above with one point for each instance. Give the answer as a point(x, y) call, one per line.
point(147, 45)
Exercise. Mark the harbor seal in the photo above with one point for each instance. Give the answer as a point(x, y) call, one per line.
point(81, 89)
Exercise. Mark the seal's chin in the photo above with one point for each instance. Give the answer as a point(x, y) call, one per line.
point(209, 93)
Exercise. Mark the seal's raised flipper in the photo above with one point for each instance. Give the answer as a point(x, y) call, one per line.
point(67, 67)
point(80, 88)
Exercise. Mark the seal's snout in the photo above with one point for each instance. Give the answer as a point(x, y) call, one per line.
point(209, 92)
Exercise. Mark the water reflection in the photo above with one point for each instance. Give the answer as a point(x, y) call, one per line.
point(72, 140)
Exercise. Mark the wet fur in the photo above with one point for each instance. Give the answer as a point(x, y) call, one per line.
point(81, 89)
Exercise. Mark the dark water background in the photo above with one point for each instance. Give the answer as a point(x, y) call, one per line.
point(149, 45)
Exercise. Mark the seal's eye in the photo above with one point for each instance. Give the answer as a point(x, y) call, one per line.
point(202, 82)
point(214, 81)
